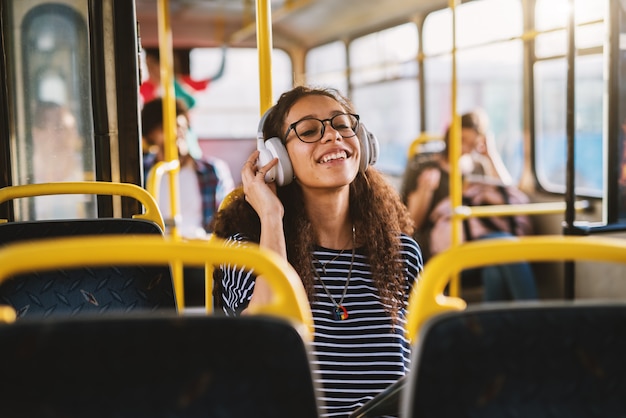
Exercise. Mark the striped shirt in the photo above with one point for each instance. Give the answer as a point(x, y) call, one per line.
point(355, 358)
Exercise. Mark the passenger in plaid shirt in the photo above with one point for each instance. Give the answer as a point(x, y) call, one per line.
point(203, 183)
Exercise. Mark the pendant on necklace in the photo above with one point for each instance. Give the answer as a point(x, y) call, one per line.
point(340, 313)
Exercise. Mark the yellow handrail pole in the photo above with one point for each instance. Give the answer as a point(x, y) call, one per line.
point(454, 154)
point(264, 48)
point(539, 208)
point(166, 61)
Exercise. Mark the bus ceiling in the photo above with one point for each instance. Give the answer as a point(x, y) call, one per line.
point(302, 23)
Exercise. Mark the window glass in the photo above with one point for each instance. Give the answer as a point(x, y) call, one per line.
point(479, 22)
point(491, 78)
point(387, 54)
point(554, 43)
point(551, 44)
point(550, 124)
point(550, 79)
point(589, 36)
point(553, 14)
point(390, 111)
point(590, 10)
point(489, 73)
point(326, 66)
point(55, 136)
point(229, 107)
point(437, 37)
point(438, 73)
point(385, 91)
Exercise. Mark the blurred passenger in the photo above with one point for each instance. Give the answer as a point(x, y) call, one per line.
point(151, 87)
point(203, 183)
point(426, 193)
point(185, 88)
point(57, 144)
point(57, 157)
point(346, 233)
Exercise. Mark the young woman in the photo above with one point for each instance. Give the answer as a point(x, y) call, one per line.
point(347, 234)
point(425, 190)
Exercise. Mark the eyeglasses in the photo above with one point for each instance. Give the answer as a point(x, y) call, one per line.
point(312, 129)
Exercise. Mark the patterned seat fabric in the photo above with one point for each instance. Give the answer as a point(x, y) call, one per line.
point(85, 290)
point(133, 366)
point(530, 361)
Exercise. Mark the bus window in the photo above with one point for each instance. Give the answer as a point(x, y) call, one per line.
point(489, 71)
point(326, 65)
point(386, 91)
point(550, 76)
point(229, 107)
point(53, 125)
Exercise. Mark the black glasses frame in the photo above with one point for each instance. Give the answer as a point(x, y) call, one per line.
point(323, 121)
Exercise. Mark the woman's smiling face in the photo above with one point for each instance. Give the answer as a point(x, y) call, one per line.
point(333, 161)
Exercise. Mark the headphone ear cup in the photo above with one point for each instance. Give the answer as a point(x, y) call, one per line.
point(369, 148)
point(281, 173)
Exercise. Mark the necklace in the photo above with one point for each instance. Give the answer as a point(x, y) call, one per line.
point(339, 312)
point(323, 265)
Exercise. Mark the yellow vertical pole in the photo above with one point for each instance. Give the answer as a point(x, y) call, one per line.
point(264, 48)
point(166, 60)
point(454, 154)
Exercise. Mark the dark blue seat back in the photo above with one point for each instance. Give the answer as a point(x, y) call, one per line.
point(82, 290)
point(136, 366)
point(534, 360)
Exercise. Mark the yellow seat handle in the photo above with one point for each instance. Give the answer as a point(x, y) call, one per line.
point(289, 297)
point(88, 187)
point(428, 299)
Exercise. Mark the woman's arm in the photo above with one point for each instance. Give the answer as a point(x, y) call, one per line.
point(420, 199)
point(263, 199)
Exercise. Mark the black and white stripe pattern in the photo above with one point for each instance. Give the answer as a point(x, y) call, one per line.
point(358, 357)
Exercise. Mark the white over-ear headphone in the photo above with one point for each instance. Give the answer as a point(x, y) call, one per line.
point(282, 173)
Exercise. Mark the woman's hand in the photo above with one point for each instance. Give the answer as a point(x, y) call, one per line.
point(263, 199)
point(429, 179)
point(261, 196)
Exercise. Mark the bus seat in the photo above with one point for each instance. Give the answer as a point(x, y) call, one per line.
point(289, 297)
point(518, 358)
point(141, 365)
point(83, 290)
point(137, 366)
point(528, 359)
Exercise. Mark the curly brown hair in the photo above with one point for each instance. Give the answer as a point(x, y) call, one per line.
point(378, 214)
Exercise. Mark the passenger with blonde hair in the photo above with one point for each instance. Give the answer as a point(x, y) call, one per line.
point(425, 191)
